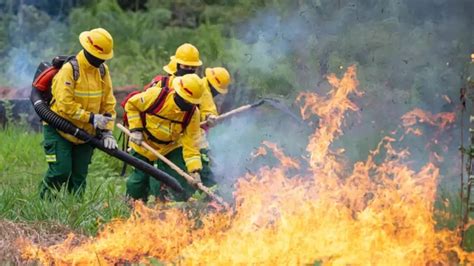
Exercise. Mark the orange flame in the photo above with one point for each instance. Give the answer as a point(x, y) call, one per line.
point(261, 151)
point(440, 121)
point(378, 213)
point(285, 161)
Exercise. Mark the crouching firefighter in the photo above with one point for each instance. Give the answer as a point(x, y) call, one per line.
point(82, 94)
point(165, 118)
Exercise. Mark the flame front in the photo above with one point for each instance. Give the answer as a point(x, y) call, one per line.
point(368, 214)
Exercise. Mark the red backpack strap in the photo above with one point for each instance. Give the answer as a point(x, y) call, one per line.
point(154, 108)
point(187, 117)
point(164, 81)
point(159, 102)
point(155, 80)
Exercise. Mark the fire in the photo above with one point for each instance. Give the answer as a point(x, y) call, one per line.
point(286, 162)
point(441, 120)
point(261, 151)
point(377, 212)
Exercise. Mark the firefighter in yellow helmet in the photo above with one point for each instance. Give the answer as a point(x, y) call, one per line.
point(166, 119)
point(216, 81)
point(82, 94)
point(185, 61)
point(171, 67)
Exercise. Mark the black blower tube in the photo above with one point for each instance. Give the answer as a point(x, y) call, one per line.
point(56, 121)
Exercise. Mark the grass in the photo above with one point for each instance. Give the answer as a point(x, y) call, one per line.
point(22, 166)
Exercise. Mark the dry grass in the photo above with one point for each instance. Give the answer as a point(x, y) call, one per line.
point(41, 233)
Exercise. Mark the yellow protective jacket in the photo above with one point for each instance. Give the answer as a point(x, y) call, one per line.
point(207, 106)
point(76, 100)
point(163, 129)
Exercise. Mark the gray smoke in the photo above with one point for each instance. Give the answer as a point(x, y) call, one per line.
point(409, 54)
point(33, 36)
point(233, 142)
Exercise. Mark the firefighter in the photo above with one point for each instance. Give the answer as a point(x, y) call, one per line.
point(89, 104)
point(185, 61)
point(215, 82)
point(171, 123)
point(171, 67)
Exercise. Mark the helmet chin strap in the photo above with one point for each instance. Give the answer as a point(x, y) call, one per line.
point(96, 62)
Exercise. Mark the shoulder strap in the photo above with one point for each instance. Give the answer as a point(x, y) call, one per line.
point(187, 117)
point(155, 108)
point(102, 70)
point(75, 68)
point(164, 81)
point(159, 102)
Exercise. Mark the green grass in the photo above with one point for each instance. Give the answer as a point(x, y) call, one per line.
point(22, 166)
point(453, 221)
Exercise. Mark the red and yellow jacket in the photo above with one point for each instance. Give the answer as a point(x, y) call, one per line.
point(161, 127)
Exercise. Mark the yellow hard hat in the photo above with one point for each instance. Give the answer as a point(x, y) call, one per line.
point(98, 42)
point(219, 78)
point(189, 87)
point(187, 54)
point(171, 67)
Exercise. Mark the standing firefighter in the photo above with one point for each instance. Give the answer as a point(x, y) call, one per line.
point(82, 94)
point(166, 119)
point(215, 82)
point(185, 61)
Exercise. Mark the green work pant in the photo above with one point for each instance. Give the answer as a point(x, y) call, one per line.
point(68, 163)
point(139, 184)
point(206, 172)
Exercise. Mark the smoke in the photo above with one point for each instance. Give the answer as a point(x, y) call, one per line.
point(233, 142)
point(408, 53)
point(33, 36)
